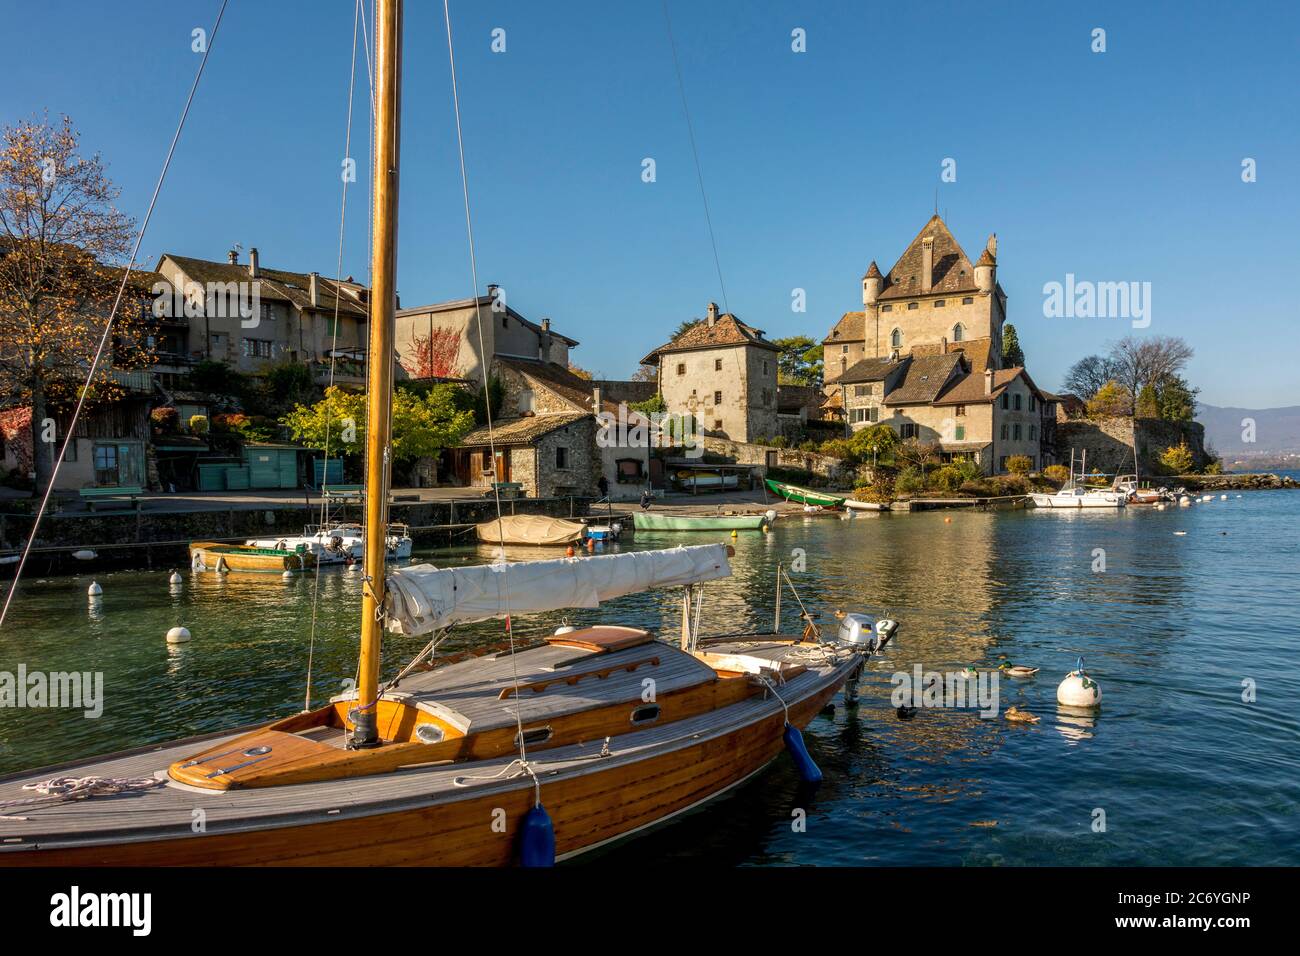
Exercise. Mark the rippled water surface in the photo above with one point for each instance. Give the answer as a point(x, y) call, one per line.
point(1184, 770)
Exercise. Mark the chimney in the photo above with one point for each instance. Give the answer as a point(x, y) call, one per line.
point(233, 257)
point(492, 290)
point(546, 325)
point(252, 263)
point(988, 381)
point(313, 288)
point(927, 263)
point(713, 314)
point(596, 399)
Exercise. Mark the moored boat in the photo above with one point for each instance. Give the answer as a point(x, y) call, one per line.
point(659, 521)
point(339, 543)
point(805, 496)
point(706, 480)
point(853, 504)
point(537, 530)
point(213, 556)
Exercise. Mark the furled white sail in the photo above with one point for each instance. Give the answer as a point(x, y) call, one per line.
point(423, 598)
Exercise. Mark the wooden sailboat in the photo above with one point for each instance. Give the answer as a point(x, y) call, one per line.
point(212, 556)
point(510, 752)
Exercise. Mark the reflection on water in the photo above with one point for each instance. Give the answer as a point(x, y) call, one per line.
point(1186, 772)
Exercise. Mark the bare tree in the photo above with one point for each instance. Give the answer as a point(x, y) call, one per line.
point(1086, 377)
point(1139, 362)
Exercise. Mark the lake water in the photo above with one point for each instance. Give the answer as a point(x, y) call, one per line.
point(1185, 771)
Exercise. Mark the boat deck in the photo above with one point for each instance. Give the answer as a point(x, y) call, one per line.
point(169, 811)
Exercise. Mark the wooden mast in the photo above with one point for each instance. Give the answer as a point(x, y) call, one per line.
point(383, 307)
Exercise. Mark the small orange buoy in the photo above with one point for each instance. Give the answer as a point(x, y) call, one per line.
point(947, 521)
point(591, 544)
point(569, 552)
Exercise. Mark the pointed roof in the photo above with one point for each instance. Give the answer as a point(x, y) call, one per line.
point(848, 329)
point(726, 331)
point(951, 271)
point(873, 271)
point(987, 259)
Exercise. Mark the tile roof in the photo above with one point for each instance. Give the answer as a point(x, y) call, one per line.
point(574, 389)
point(951, 271)
point(727, 330)
point(520, 431)
point(924, 378)
point(484, 300)
point(278, 285)
point(850, 328)
point(969, 390)
point(871, 370)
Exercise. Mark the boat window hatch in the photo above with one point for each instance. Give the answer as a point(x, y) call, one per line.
point(535, 735)
point(645, 714)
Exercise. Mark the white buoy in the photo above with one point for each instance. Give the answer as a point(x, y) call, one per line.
point(94, 590)
point(85, 554)
point(771, 514)
point(1078, 689)
point(178, 635)
point(1223, 497)
point(565, 629)
point(176, 578)
point(288, 575)
point(1184, 502)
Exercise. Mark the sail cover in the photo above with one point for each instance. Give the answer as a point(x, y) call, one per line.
point(423, 598)
point(530, 529)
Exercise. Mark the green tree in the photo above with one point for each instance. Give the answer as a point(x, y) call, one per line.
point(1012, 355)
point(878, 442)
point(423, 424)
point(800, 361)
point(1020, 464)
point(651, 405)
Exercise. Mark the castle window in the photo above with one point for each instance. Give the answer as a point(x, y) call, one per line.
point(940, 303)
point(1004, 431)
point(717, 365)
point(1017, 404)
point(765, 367)
point(961, 411)
point(1033, 433)
point(968, 300)
point(561, 457)
point(1006, 403)
point(844, 349)
point(911, 306)
point(886, 308)
point(717, 398)
point(1016, 432)
point(896, 339)
point(681, 368)
point(505, 321)
point(1031, 403)
point(958, 333)
point(907, 430)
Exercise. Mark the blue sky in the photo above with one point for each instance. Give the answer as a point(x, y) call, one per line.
point(1115, 166)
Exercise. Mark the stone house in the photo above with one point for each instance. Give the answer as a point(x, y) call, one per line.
point(109, 447)
point(442, 340)
point(300, 317)
point(548, 437)
point(723, 372)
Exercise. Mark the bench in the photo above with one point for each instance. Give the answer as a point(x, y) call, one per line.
point(106, 494)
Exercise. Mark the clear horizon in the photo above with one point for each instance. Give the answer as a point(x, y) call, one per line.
point(1122, 166)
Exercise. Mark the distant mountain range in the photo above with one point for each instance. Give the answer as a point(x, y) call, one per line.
point(1277, 430)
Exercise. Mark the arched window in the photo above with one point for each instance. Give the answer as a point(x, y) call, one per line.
point(958, 333)
point(896, 339)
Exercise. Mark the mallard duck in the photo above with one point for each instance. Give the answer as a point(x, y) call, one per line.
point(905, 713)
point(1017, 670)
point(1018, 716)
point(969, 672)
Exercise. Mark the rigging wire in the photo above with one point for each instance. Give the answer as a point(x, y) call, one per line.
point(483, 364)
point(334, 344)
point(108, 326)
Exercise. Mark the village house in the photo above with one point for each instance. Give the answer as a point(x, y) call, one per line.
point(300, 317)
point(924, 357)
point(442, 340)
point(723, 372)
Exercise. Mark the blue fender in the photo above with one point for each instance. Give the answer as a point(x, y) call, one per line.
point(809, 772)
point(537, 839)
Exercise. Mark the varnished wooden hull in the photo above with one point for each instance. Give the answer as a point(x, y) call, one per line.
point(246, 558)
point(587, 811)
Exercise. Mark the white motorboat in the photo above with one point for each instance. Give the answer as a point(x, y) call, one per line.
point(1074, 494)
point(339, 543)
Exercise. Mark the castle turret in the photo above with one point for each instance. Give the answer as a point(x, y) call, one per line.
point(986, 269)
point(871, 283)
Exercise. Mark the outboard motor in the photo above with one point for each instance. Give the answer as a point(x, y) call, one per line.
point(862, 634)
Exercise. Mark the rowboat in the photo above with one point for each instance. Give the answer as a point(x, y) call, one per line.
point(530, 530)
point(853, 504)
point(531, 752)
point(804, 495)
point(212, 556)
point(706, 480)
point(658, 521)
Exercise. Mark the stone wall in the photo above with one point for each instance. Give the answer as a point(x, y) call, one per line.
point(1108, 442)
point(745, 453)
point(582, 463)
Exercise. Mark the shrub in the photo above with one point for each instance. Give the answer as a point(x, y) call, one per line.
point(838, 448)
point(1057, 474)
point(910, 481)
point(165, 418)
point(199, 424)
point(881, 490)
point(1177, 459)
point(1214, 468)
point(1020, 464)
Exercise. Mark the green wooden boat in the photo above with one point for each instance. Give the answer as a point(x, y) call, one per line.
point(804, 495)
point(657, 521)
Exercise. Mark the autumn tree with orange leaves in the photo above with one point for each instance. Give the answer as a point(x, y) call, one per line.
point(59, 234)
